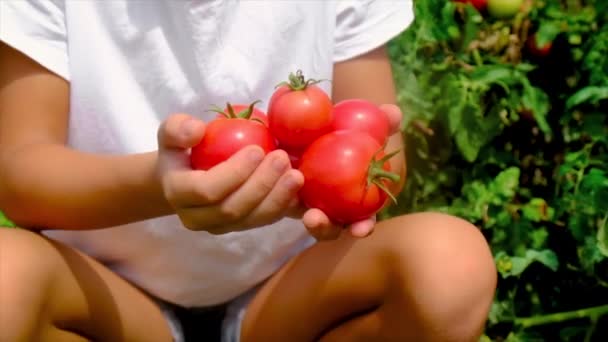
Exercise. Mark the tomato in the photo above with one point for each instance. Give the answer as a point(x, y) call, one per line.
point(294, 160)
point(480, 5)
point(361, 115)
point(346, 175)
point(226, 135)
point(243, 111)
point(535, 49)
point(299, 112)
point(294, 155)
point(504, 9)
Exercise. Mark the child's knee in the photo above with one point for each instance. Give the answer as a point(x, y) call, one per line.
point(26, 268)
point(447, 264)
point(442, 241)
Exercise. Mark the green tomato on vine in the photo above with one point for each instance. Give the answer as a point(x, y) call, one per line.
point(504, 9)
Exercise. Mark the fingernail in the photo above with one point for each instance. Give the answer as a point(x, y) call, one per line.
point(290, 183)
point(255, 155)
point(279, 164)
point(188, 127)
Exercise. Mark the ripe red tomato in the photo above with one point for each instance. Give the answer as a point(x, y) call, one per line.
point(225, 136)
point(480, 5)
point(346, 175)
point(294, 155)
point(361, 115)
point(299, 112)
point(535, 49)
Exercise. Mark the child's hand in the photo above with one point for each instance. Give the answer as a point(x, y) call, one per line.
point(321, 227)
point(248, 190)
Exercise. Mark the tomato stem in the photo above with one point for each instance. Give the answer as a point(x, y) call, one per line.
point(382, 187)
point(376, 173)
point(381, 173)
point(244, 114)
point(297, 81)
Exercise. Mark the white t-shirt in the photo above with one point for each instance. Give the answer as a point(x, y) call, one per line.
point(131, 63)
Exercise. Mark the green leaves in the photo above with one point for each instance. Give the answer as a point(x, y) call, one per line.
point(506, 184)
point(517, 144)
point(474, 131)
point(479, 198)
point(591, 95)
point(5, 222)
point(537, 210)
point(602, 236)
point(513, 266)
point(547, 32)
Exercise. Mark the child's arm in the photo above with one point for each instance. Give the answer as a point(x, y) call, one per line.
point(46, 185)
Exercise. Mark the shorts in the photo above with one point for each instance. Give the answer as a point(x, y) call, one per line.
point(218, 323)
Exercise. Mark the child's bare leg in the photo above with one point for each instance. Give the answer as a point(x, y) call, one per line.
point(422, 277)
point(49, 292)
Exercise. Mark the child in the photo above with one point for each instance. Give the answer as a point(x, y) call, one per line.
point(123, 238)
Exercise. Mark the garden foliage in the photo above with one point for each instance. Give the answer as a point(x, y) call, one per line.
point(516, 142)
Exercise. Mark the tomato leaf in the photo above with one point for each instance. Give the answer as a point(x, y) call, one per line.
point(509, 266)
point(537, 101)
point(547, 32)
point(592, 95)
point(602, 236)
point(537, 210)
point(475, 131)
point(5, 222)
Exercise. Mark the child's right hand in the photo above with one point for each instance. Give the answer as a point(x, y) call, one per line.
point(248, 190)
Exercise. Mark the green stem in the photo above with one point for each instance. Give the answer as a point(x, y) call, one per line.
point(298, 82)
point(591, 330)
point(477, 57)
point(381, 173)
point(594, 313)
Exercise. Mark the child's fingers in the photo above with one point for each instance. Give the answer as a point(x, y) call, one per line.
point(363, 228)
point(248, 198)
point(175, 135)
point(278, 201)
point(319, 225)
point(295, 209)
point(189, 188)
point(180, 131)
point(394, 116)
point(243, 210)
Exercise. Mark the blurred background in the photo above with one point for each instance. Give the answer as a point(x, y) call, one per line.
point(507, 105)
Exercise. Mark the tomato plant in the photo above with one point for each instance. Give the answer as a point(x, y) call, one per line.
point(517, 144)
point(227, 134)
point(346, 175)
point(361, 115)
point(299, 112)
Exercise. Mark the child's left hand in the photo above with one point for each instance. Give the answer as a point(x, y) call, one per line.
point(321, 227)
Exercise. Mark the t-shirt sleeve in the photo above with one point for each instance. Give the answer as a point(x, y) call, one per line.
point(37, 29)
point(362, 25)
